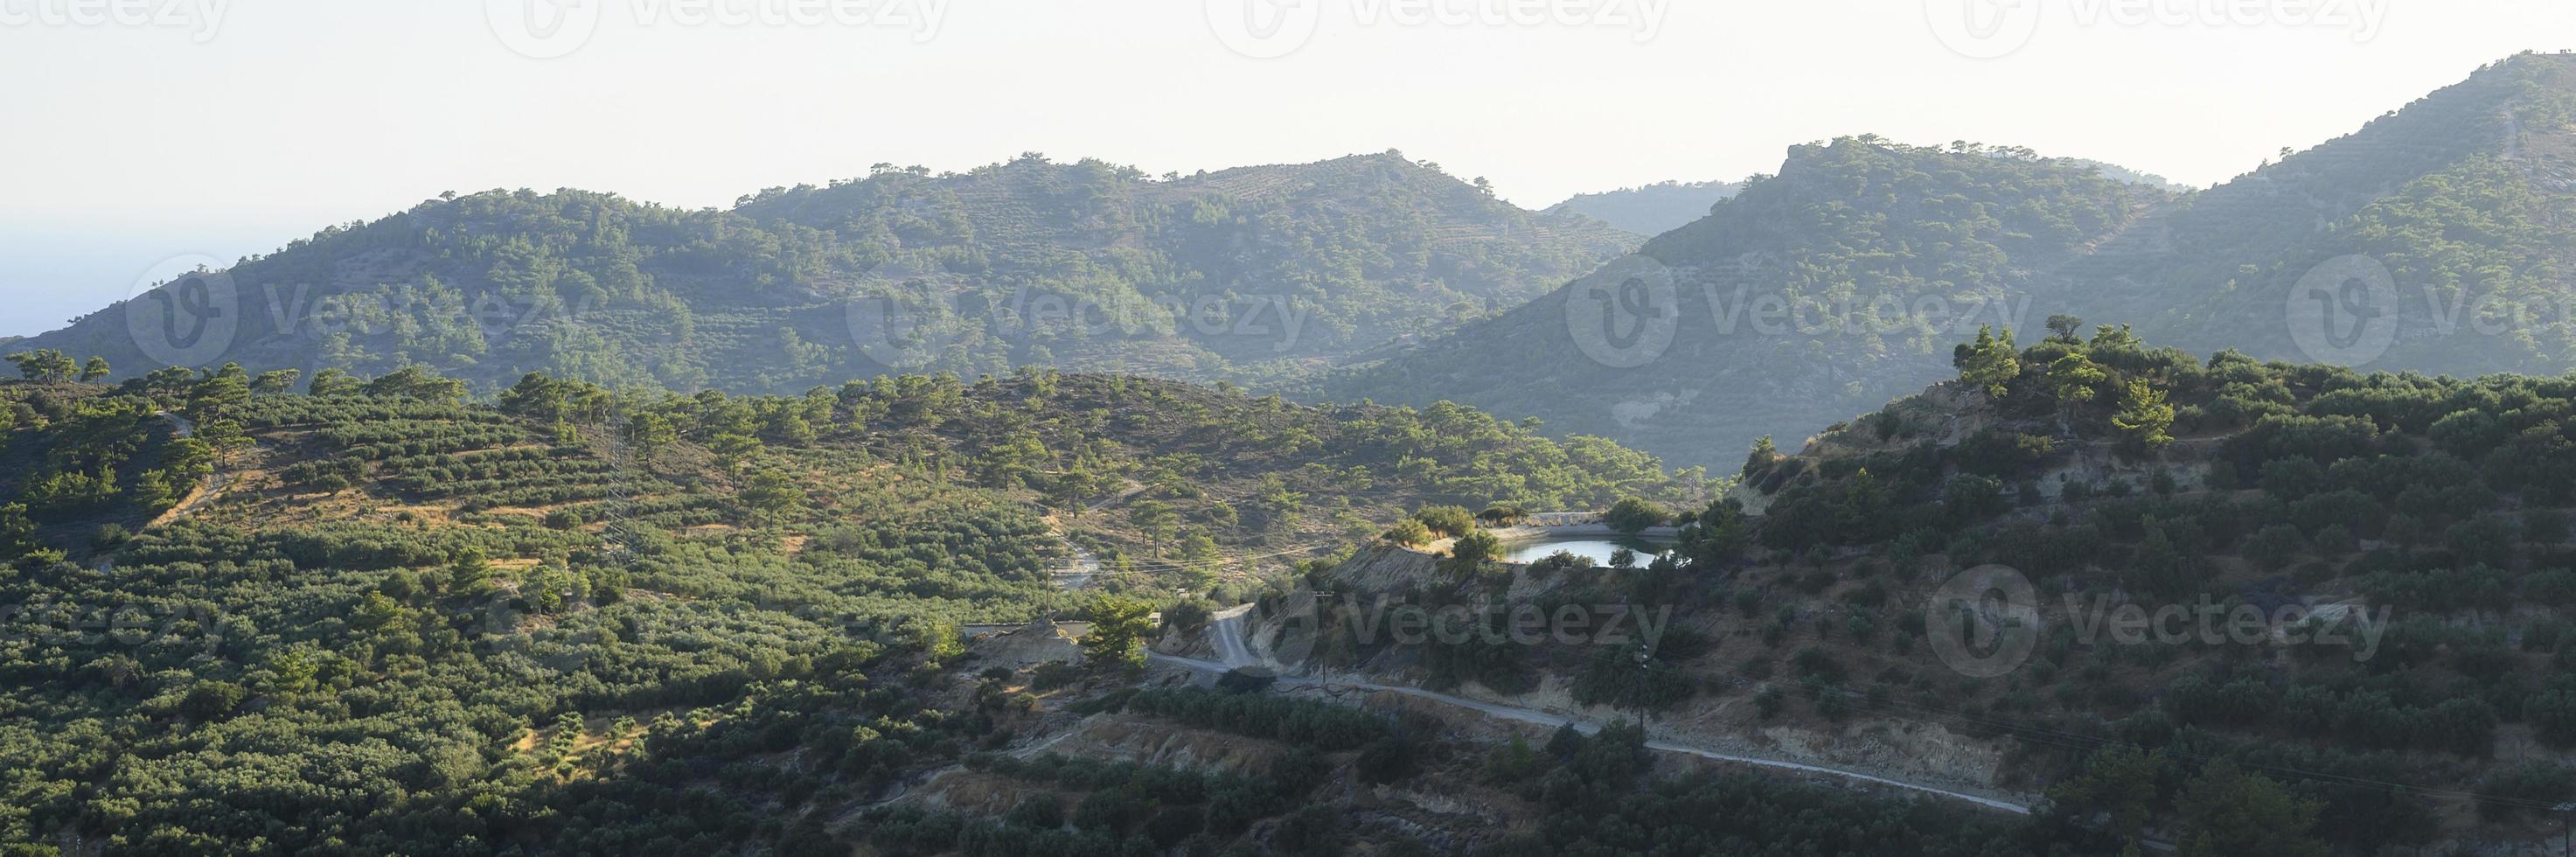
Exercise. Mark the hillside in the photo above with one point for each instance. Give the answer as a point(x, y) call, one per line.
point(1834, 286)
point(2105, 580)
point(596, 623)
point(2443, 221)
point(2114, 476)
point(1248, 274)
point(2461, 199)
point(1650, 210)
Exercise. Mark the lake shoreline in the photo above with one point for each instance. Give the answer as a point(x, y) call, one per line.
point(1526, 533)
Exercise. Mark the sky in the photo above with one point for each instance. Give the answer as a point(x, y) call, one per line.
point(140, 134)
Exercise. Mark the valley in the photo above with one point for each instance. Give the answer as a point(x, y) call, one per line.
point(1951, 500)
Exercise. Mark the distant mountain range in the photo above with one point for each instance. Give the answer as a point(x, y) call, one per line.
point(1651, 210)
point(1258, 273)
point(1758, 319)
point(2436, 239)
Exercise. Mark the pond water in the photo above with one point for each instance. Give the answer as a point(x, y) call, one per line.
point(1598, 548)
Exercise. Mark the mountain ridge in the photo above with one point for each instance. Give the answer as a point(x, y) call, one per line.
point(1172, 273)
point(2457, 211)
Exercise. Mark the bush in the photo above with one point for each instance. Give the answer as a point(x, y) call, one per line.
point(1189, 614)
point(2274, 546)
point(1446, 520)
point(1054, 674)
point(110, 536)
point(1385, 760)
point(2545, 526)
point(1409, 532)
point(1631, 515)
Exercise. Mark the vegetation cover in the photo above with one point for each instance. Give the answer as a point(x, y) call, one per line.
point(1253, 274)
point(381, 617)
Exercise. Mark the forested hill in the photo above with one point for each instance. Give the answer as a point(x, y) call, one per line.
point(1248, 274)
point(2440, 233)
point(379, 619)
point(2459, 204)
point(1653, 209)
point(1812, 295)
point(2111, 476)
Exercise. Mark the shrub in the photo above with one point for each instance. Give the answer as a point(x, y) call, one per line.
point(1631, 515)
point(1446, 520)
point(1409, 532)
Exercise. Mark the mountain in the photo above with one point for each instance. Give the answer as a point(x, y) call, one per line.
point(2079, 570)
point(1243, 274)
point(2124, 175)
point(2451, 221)
point(2393, 552)
point(1814, 294)
point(2435, 239)
point(1653, 209)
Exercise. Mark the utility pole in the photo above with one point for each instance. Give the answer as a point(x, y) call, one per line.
point(1640, 689)
point(1323, 619)
point(2566, 834)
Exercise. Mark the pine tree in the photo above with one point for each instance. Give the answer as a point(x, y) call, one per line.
point(2227, 812)
point(1991, 363)
point(2074, 378)
point(1118, 630)
point(2145, 418)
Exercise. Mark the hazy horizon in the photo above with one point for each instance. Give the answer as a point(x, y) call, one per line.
point(230, 128)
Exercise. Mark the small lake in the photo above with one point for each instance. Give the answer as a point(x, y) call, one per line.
point(1598, 548)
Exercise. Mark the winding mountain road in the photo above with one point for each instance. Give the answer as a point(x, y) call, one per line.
point(1226, 635)
point(1226, 632)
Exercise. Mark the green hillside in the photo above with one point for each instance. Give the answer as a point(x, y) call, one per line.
point(2115, 476)
point(2434, 239)
point(378, 619)
point(1258, 273)
point(1795, 303)
point(2461, 199)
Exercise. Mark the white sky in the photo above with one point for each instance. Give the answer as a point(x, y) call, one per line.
point(122, 146)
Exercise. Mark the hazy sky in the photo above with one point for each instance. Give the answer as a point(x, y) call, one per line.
point(140, 130)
